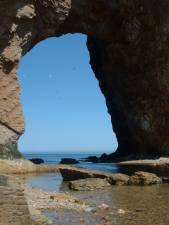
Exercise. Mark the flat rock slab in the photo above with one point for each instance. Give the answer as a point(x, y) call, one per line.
point(162, 161)
point(21, 166)
point(89, 184)
point(73, 173)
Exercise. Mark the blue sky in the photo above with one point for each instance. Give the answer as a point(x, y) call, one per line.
point(64, 108)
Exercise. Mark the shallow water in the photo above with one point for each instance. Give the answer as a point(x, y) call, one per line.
point(146, 205)
point(140, 206)
point(68, 217)
point(143, 205)
point(46, 181)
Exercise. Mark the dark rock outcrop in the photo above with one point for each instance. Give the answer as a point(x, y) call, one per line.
point(68, 161)
point(93, 159)
point(129, 51)
point(37, 160)
point(103, 158)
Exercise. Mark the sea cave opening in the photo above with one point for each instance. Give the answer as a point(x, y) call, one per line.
point(64, 109)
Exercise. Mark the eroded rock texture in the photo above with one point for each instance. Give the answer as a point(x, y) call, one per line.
point(14, 208)
point(129, 46)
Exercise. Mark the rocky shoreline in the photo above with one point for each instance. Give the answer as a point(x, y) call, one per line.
point(148, 160)
point(36, 201)
point(40, 201)
point(76, 176)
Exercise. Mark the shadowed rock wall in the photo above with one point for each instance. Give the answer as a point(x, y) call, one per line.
point(129, 46)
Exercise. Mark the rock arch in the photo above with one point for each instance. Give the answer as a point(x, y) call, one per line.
point(128, 43)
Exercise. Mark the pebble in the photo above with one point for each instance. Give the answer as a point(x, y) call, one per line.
point(121, 211)
point(109, 223)
point(88, 209)
point(106, 218)
point(82, 220)
point(103, 206)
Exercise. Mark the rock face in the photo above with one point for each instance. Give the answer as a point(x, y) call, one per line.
point(14, 208)
point(128, 45)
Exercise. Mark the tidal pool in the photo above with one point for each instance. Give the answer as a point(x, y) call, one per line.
point(132, 205)
point(128, 205)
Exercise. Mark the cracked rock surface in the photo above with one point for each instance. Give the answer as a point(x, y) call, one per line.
point(129, 51)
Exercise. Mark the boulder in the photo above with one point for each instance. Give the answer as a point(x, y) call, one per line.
point(118, 179)
point(144, 178)
point(89, 184)
point(73, 173)
point(37, 160)
point(103, 206)
point(93, 159)
point(68, 161)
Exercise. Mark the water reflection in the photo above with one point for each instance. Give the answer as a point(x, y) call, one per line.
point(46, 181)
point(142, 205)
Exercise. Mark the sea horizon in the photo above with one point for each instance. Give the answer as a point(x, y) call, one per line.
point(55, 158)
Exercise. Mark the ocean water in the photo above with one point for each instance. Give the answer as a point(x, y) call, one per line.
point(54, 158)
point(51, 158)
point(54, 181)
